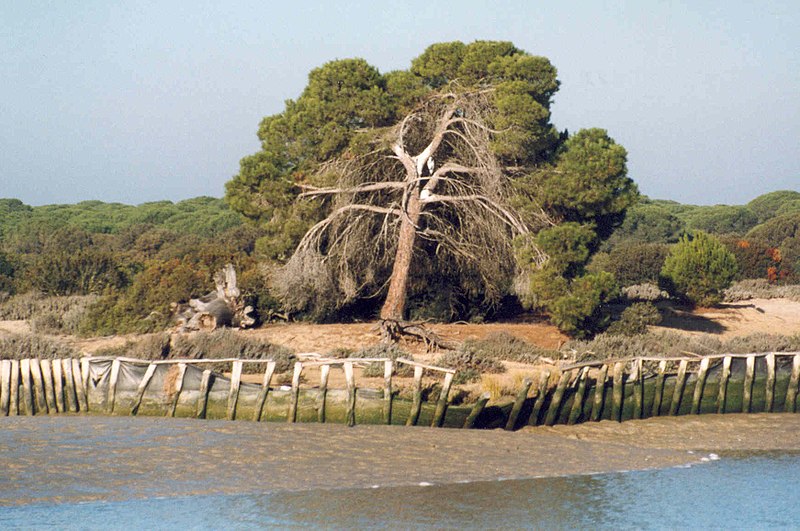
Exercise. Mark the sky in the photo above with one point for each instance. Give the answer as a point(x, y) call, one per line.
point(143, 101)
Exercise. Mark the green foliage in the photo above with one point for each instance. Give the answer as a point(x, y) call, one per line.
point(582, 310)
point(636, 263)
point(635, 319)
point(722, 219)
point(699, 268)
point(568, 245)
point(772, 204)
point(74, 273)
point(648, 223)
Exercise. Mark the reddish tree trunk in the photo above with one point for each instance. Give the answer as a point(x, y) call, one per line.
point(395, 304)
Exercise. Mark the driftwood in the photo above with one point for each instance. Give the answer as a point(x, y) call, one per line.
point(392, 331)
point(223, 307)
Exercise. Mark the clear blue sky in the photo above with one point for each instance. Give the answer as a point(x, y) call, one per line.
point(140, 101)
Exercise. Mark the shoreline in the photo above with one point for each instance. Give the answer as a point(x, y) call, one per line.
point(88, 458)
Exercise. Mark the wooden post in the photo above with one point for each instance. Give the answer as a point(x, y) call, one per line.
point(476, 411)
point(202, 397)
point(388, 368)
point(80, 372)
point(112, 385)
point(723, 384)
point(262, 395)
point(677, 395)
point(697, 398)
point(577, 402)
point(351, 393)
point(416, 402)
point(5, 386)
point(791, 391)
point(47, 380)
point(148, 375)
point(541, 389)
point(38, 386)
point(441, 404)
point(558, 395)
point(70, 398)
point(58, 381)
point(292, 415)
point(658, 391)
point(769, 396)
point(618, 392)
point(233, 394)
point(324, 371)
point(518, 403)
point(599, 393)
point(13, 403)
point(178, 388)
point(747, 390)
point(25, 376)
point(637, 376)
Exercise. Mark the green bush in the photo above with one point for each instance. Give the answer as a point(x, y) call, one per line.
point(583, 310)
point(698, 269)
point(635, 319)
point(637, 263)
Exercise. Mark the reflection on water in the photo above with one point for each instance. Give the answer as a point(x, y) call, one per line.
point(754, 491)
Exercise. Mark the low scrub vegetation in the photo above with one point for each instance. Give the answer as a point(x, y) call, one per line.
point(21, 346)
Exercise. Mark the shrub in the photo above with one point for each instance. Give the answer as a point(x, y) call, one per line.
point(722, 219)
point(637, 263)
point(506, 347)
point(467, 358)
point(382, 350)
point(698, 269)
point(583, 310)
point(769, 205)
point(228, 343)
point(635, 319)
point(49, 315)
point(644, 292)
point(21, 346)
point(760, 289)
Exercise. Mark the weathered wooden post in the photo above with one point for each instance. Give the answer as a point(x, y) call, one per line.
point(25, 376)
point(178, 388)
point(637, 376)
point(617, 392)
point(518, 403)
point(469, 423)
point(416, 401)
point(13, 403)
point(577, 403)
point(58, 382)
point(5, 386)
point(202, 397)
point(769, 395)
point(233, 393)
point(441, 404)
point(70, 398)
point(658, 391)
point(148, 375)
point(38, 385)
point(747, 389)
point(558, 395)
point(599, 393)
point(295, 396)
point(680, 383)
point(80, 373)
point(699, 385)
point(324, 371)
point(541, 389)
point(351, 393)
point(791, 391)
point(47, 382)
point(262, 394)
point(388, 369)
point(112, 384)
point(723, 384)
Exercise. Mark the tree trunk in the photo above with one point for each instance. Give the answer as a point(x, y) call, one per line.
point(395, 304)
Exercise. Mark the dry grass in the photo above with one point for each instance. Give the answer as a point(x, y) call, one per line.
point(47, 315)
point(761, 289)
point(21, 346)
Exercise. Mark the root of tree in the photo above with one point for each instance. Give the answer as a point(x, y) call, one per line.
point(393, 331)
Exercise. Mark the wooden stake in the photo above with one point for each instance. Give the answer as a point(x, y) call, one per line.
point(658, 392)
point(388, 368)
point(747, 390)
point(416, 402)
point(351, 393)
point(558, 395)
point(13, 403)
point(469, 423)
point(25, 376)
point(791, 391)
point(599, 393)
point(112, 385)
point(769, 396)
point(324, 371)
point(58, 381)
point(637, 376)
point(178, 388)
point(70, 398)
point(677, 395)
point(38, 386)
point(262, 395)
point(80, 372)
point(541, 388)
point(577, 402)
point(5, 386)
point(441, 404)
point(202, 397)
point(47, 380)
point(233, 394)
point(618, 392)
point(697, 398)
point(518, 403)
point(292, 415)
point(148, 375)
point(723, 384)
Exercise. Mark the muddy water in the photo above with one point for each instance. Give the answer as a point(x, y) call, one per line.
point(86, 472)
